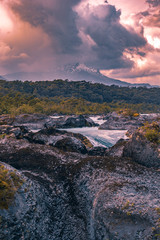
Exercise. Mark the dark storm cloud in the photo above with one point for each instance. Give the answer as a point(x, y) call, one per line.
point(153, 3)
point(111, 38)
point(57, 19)
point(92, 35)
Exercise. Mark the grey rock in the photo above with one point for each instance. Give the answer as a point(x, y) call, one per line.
point(71, 144)
point(66, 141)
point(6, 120)
point(97, 151)
point(117, 150)
point(72, 196)
point(142, 151)
point(71, 122)
point(32, 121)
point(116, 121)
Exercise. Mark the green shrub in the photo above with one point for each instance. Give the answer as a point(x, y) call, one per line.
point(152, 132)
point(128, 113)
point(152, 135)
point(10, 182)
point(2, 136)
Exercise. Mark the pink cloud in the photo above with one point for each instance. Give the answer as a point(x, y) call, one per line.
point(122, 37)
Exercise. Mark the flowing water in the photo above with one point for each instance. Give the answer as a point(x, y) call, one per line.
point(105, 138)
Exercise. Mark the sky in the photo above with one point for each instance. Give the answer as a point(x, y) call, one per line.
point(120, 38)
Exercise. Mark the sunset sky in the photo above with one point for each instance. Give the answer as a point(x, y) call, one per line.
point(119, 37)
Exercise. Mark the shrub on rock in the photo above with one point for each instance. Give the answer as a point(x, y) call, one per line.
point(10, 182)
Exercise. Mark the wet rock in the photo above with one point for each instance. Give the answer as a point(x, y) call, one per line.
point(5, 129)
point(71, 122)
point(70, 195)
point(58, 138)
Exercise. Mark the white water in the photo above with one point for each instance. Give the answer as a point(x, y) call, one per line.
point(56, 117)
point(98, 119)
point(104, 138)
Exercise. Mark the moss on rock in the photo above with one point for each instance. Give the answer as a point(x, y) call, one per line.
point(10, 182)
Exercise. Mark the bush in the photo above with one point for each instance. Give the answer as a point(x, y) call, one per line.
point(128, 113)
point(152, 132)
point(152, 135)
point(10, 182)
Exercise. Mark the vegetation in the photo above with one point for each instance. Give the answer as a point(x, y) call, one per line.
point(98, 93)
point(66, 97)
point(10, 182)
point(128, 113)
point(2, 136)
point(152, 132)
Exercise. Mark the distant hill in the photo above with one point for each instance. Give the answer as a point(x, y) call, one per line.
point(2, 78)
point(93, 92)
point(76, 72)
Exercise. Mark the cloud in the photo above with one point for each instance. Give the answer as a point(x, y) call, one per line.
point(145, 61)
point(55, 17)
point(144, 68)
point(70, 31)
point(25, 50)
point(49, 34)
point(152, 18)
point(108, 37)
point(153, 3)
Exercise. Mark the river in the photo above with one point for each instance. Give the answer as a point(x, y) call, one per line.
point(104, 138)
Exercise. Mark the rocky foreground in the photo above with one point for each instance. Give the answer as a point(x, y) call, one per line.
point(56, 186)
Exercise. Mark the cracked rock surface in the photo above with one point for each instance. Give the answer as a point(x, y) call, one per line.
point(73, 196)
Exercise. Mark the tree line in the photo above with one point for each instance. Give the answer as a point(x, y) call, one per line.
point(65, 97)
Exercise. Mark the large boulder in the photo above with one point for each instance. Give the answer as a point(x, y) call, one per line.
point(117, 149)
point(23, 214)
point(71, 122)
point(71, 144)
point(115, 121)
point(144, 146)
point(127, 120)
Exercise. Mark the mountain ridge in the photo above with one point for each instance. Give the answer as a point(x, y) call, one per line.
point(76, 72)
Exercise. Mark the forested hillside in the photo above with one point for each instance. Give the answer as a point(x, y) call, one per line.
point(74, 97)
